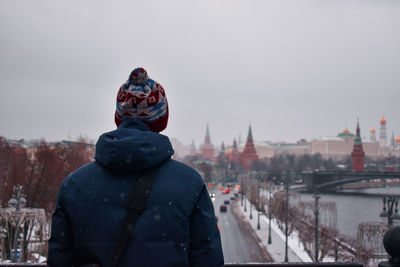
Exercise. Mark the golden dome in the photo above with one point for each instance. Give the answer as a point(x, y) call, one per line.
point(346, 131)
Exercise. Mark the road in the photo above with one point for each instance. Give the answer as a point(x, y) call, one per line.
point(239, 243)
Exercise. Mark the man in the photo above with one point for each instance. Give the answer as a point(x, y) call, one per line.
point(177, 227)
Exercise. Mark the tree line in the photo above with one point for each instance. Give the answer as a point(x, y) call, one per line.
point(40, 170)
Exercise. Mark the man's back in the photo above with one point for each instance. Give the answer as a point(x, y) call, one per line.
point(177, 228)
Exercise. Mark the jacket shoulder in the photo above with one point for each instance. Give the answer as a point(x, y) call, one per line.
point(182, 171)
point(82, 174)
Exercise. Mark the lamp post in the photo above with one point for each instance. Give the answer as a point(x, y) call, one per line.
point(241, 190)
point(390, 202)
point(251, 213)
point(251, 210)
point(258, 202)
point(245, 198)
point(269, 214)
point(17, 202)
point(316, 196)
point(286, 178)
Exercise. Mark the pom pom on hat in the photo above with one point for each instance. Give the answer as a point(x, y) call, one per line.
point(138, 76)
point(141, 98)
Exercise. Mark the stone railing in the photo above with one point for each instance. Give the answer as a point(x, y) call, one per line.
point(391, 242)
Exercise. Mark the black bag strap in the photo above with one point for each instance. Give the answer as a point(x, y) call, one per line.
point(135, 206)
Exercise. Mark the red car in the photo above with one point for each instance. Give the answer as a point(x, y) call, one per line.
point(223, 208)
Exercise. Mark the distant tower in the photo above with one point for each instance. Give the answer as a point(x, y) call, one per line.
point(235, 155)
point(235, 146)
point(207, 149)
point(392, 141)
point(239, 140)
point(357, 156)
point(398, 142)
point(221, 154)
point(223, 147)
point(193, 149)
point(372, 135)
point(249, 154)
point(382, 133)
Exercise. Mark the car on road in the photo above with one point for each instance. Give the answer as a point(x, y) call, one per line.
point(232, 198)
point(212, 196)
point(223, 208)
point(226, 202)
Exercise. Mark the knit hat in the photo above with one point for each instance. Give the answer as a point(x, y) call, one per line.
point(141, 98)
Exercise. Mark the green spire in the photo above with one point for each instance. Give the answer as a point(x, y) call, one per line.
point(234, 144)
point(250, 135)
point(357, 141)
point(207, 139)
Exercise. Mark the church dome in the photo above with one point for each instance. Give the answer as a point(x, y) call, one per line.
point(398, 139)
point(345, 133)
point(372, 131)
point(383, 121)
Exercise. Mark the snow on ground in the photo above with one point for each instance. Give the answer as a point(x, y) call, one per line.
point(276, 249)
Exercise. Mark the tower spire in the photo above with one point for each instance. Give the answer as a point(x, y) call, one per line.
point(207, 139)
point(193, 149)
point(250, 135)
point(249, 154)
point(358, 135)
point(382, 133)
point(357, 156)
point(207, 149)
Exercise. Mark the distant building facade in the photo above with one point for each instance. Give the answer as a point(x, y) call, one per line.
point(340, 147)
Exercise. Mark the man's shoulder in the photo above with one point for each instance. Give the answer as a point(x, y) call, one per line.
point(181, 170)
point(86, 171)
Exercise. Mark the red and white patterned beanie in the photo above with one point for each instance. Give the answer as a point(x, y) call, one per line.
point(143, 99)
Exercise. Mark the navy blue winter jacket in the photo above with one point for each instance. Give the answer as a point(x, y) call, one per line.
point(177, 228)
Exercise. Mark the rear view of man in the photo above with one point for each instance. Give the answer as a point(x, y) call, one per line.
point(177, 226)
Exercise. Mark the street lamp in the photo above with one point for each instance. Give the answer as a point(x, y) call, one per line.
point(390, 202)
point(258, 202)
point(244, 192)
point(17, 202)
point(251, 213)
point(251, 196)
point(286, 178)
point(317, 197)
point(241, 190)
point(269, 213)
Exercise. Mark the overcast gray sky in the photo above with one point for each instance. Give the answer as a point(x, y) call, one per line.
point(295, 69)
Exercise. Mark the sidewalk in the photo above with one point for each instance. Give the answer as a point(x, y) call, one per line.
point(276, 249)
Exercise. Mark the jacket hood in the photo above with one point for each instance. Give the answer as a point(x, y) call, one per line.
point(132, 147)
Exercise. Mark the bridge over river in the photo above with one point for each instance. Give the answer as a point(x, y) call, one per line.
point(330, 181)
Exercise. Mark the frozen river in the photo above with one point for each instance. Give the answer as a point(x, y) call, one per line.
point(355, 209)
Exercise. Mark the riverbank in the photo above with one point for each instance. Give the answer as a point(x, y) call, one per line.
point(362, 194)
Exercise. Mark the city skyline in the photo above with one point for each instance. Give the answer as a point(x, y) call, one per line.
point(241, 137)
point(295, 69)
